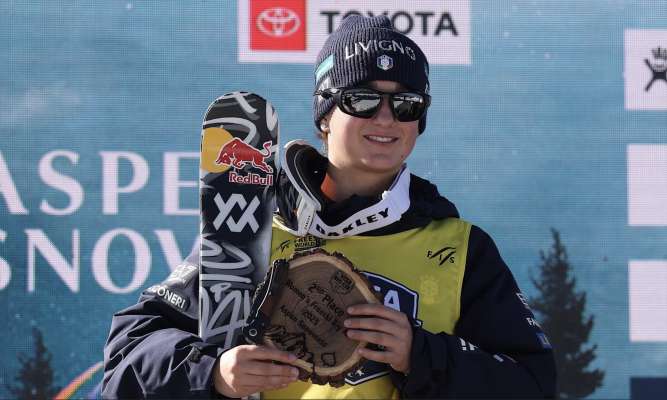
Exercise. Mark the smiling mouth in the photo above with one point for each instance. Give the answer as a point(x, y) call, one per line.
point(380, 139)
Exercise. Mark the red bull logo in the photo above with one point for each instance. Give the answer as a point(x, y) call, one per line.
point(238, 154)
point(251, 179)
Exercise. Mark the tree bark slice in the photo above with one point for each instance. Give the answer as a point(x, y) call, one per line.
point(307, 317)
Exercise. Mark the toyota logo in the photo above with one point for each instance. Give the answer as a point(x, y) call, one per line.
point(278, 22)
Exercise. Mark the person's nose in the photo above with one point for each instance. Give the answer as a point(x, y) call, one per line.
point(384, 116)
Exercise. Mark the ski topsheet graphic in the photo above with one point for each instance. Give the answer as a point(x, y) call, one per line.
point(237, 170)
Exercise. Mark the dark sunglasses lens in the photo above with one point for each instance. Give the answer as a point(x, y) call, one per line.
point(360, 103)
point(408, 106)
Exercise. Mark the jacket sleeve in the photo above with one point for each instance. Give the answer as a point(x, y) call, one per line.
point(498, 349)
point(153, 350)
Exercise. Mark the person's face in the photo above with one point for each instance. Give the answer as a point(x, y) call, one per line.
point(378, 145)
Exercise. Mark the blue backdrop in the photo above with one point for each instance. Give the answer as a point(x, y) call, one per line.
point(100, 112)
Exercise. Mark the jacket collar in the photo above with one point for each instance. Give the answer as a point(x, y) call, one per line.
point(302, 201)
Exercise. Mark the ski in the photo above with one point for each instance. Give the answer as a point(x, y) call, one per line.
point(239, 144)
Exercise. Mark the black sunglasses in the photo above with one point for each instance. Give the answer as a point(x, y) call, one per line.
point(365, 102)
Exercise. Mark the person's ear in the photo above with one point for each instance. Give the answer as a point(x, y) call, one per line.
point(324, 125)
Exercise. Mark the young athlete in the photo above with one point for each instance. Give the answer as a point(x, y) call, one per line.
point(453, 322)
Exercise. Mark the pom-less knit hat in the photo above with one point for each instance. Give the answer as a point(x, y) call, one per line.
point(364, 49)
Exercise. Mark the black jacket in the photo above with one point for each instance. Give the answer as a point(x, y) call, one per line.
point(497, 350)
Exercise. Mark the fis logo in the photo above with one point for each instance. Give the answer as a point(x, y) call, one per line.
point(443, 255)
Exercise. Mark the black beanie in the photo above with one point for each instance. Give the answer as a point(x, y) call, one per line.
point(364, 49)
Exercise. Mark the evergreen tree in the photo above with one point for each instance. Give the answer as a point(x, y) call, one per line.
point(35, 379)
point(561, 312)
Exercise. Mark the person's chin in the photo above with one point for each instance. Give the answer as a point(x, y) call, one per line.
point(382, 165)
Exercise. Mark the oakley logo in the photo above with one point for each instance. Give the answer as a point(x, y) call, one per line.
point(354, 225)
point(278, 22)
point(225, 208)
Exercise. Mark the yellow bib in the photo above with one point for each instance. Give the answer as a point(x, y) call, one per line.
point(419, 271)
